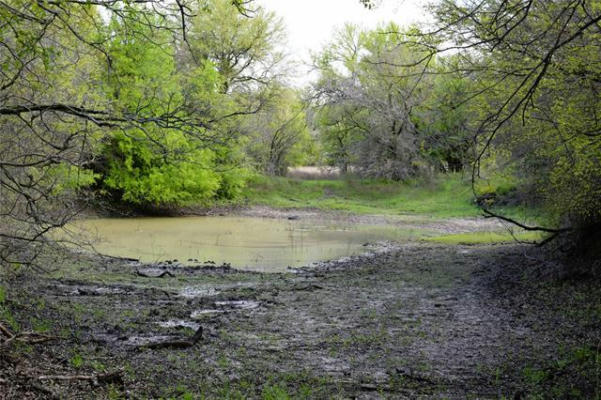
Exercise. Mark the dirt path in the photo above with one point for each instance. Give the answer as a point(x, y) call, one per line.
point(420, 321)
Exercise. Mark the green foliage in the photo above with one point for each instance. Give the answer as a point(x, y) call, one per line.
point(537, 116)
point(142, 74)
point(145, 176)
point(70, 178)
point(5, 313)
point(232, 184)
point(187, 396)
point(160, 165)
point(236, 44)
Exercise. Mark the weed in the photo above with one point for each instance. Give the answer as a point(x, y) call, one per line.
point(223, 362)
point(275, 392)
point(76, 361)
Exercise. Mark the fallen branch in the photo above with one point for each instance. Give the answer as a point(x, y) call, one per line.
point(25, 337)
point(5, 331)
point(162, 275)
point(175, 344)
point(310, 287)
point(34, 338)
point(370, 387)
point(106, 378)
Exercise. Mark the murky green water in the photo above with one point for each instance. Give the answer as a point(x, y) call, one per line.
point(260, 244)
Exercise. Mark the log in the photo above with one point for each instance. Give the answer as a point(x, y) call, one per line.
point(175, 344)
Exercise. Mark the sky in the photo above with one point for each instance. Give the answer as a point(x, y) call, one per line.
point(310, 23)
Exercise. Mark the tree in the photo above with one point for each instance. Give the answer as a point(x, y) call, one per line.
point(277, 132)
point(50, 109)
point(67, 89)
point(445, 119)
point(244, 50)
point(538, 95)
point(157, 166)
point(368, 103)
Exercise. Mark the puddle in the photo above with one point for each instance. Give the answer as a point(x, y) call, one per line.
point(200, 313)
point(238, 304)
point(250, 243)
point(179, 324)
point(192, 292)
point(136, 341)
point(225, 306)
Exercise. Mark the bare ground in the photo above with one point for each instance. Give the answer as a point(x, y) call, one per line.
point(418, 321)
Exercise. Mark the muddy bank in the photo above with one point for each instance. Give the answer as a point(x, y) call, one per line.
point(447, 225)
point(418, 321)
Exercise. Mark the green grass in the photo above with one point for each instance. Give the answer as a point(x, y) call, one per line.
point(486, 238)
point(444, 197)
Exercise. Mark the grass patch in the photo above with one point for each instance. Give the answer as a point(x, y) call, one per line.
point(486, 237)
point(443, 197)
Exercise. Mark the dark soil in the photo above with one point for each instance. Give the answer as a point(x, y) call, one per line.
point(420, 321)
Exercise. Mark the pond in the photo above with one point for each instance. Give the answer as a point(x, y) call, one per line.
point(250, 243)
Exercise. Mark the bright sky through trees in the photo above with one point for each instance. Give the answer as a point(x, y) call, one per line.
point(310, 23)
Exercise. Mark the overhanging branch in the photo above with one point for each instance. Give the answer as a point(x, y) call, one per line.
point(490, 214)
